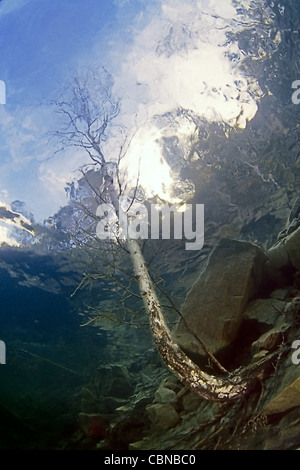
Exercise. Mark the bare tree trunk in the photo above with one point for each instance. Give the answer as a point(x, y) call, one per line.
point(210, 387)
point(85, 127)
point(207, 386)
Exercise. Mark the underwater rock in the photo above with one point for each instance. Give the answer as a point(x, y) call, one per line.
point(269, 340)
point(287, 395)
point(286, 252)
point(285, 434)
point(163, 416)
point(283, 388)
point(165, 395)
point(172, 383)
point(280, 294)
point(213, 307)
point(292, 243)
point(190, 401)
point(114, 381)
point(138, 445)
point(265, 311)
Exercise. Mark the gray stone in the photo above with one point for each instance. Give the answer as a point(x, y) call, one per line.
point(213, 307)
point(172, 383)
point(138, 445)
point(280, 294)
point(287, 395)
point(278, 255)
point(165, 395)
point(286, 252)
point(163, 416)
point(114, 381)
point(292, 244)
point(191, 401)
point(269, 340)
point(265, 310)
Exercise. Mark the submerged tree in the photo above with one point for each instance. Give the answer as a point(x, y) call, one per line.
point(88, 113)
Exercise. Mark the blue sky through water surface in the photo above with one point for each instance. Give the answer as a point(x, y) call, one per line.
point(163, 55)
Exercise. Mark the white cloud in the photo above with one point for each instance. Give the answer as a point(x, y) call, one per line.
point(54, 173)
point(23, 139)
point(29, 156)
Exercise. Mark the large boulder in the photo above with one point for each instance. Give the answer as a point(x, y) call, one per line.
point(162, 416)
point(286, 252)
point(287, 393)
point(114, 381)
point(165, 395)
point(213, 307)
